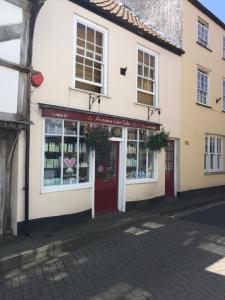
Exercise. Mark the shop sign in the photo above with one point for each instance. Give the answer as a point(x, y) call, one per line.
point(98, 118)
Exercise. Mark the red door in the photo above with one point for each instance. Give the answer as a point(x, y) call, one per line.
point(169, 188)
point(106, 179)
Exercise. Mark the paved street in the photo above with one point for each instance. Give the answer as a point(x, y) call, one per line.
point(161, 258)
point(212, 215)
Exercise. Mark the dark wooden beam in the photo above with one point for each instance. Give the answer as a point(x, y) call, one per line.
point(14, 66)
point(10, 32)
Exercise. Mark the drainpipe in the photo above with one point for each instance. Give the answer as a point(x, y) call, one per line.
point(35, 8)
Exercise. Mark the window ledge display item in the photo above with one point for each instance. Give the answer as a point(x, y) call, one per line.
point(158, 141)
point(97, 137)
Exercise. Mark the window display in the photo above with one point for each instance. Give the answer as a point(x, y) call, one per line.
point(66, 158)
point(140, 160)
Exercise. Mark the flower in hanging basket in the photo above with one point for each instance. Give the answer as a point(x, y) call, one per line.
point(158, 140)
point(98, 137)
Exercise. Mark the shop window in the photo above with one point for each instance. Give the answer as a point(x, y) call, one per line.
point(66, 158)
point(140, 160)
point(90, 62)
point(203, 82)
point(147, 77)
point(203, 32)
point(213, 160)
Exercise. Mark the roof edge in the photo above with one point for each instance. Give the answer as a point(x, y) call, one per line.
point(207, 12)
point(124, 24)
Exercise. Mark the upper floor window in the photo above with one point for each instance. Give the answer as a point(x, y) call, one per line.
point(203, 32)
point(147, 77)
point(90, 56)
point(224, 47)
point(224, 94)
point(203, 87)
point(213, 161)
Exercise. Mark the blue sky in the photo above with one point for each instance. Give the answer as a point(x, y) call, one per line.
point(216, 6)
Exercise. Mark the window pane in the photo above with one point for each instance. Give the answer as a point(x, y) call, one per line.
point(152, 61)
point(116, 132)
point(53, 126)
point(132, 134)
point(90, 35)
point(80, 43)
point(70, 127)
point(131, 160)
point(146, 59)
point(83, 162)
point(81, 31)
point(80, 71)
point(88, 74)
point(99, 38)
point(145, 98)
point(52, 161)
point(140, 80)
point(148, 85)
point(97, 76)
point(142, 160)
point(150, 164)
point(70, 160)
point(88, 87)
point(140, 56)
point(142, 135)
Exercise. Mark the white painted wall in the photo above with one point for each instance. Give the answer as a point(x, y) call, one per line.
point(8, 90)
point(10, 14)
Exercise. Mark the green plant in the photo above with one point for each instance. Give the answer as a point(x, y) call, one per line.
point(97, 137)
point(158, 140)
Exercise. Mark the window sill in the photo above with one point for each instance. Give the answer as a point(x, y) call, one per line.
point(146, 105)
point(52, 189)
point(214, 173)
point(205, 47)
point(88, 92)
point(141, 181)
point(204, 105)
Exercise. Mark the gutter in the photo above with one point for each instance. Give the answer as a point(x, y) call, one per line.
point(35, 9)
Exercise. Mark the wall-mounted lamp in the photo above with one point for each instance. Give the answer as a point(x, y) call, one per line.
point(123, 71)
point(218, 100)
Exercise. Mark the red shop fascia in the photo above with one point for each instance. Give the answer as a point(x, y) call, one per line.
point(52, 111)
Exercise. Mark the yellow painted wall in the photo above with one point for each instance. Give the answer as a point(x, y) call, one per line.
point(197, 120)
point(53, 56)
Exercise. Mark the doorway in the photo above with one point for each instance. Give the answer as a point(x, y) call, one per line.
point(169, 169)
point(106, 179)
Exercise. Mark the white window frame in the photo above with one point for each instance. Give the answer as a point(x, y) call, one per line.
point(156, 81)
point(155, 157)
point(104, 31)
point(63, 187)
point(203, 27)
point(206, 74)
point(217, 156)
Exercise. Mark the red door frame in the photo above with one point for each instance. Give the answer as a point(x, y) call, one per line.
point(106, 189)
point(170, 169)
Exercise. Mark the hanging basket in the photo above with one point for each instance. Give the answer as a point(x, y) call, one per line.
point(97, 137)
point(158, 140)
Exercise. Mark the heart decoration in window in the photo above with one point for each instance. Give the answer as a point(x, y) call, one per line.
point(69, 162)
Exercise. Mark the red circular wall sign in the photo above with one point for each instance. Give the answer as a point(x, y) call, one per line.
point(37, 79)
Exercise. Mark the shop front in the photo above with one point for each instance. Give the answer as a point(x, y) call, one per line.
point(69, 164)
